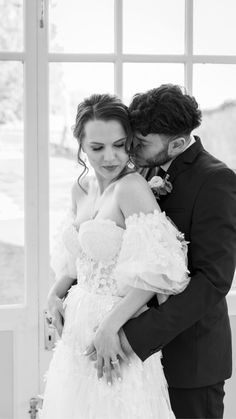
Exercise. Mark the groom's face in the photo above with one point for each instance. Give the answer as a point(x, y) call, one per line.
point(150, 150)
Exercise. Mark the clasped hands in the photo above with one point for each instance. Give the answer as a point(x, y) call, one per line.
point(109, 348)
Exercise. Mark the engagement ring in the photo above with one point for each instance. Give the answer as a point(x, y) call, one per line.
point(115, 362)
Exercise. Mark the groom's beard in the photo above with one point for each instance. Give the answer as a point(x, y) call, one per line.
point(158, 160)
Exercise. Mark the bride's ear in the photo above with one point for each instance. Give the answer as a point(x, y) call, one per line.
point(176, 146)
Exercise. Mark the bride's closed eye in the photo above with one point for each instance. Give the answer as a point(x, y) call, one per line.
point(100, 148)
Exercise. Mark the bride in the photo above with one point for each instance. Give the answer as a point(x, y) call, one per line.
point(123, 250)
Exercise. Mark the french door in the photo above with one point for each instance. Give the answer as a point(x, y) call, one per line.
point(53, 53)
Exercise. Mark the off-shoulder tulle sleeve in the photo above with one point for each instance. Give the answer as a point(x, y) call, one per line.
point(153, 255)
point(65, 248)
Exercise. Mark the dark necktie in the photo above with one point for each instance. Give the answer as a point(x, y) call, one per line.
point(161, 172)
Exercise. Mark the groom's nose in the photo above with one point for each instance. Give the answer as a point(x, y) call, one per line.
point(135, 143)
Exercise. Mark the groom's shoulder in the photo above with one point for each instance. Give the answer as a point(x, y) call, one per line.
point(210, 169)
point(207, 163)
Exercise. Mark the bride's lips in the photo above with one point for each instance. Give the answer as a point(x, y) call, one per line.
point(110, 168)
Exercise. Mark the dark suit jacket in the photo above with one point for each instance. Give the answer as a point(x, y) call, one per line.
point(192, 328)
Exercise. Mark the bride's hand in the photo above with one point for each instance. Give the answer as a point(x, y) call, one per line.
point(109, 352)
point(55, 306)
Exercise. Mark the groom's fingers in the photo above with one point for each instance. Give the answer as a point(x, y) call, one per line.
point(117, 370)
point(124, 357)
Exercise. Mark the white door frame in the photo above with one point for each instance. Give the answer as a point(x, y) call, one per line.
point(22, 319)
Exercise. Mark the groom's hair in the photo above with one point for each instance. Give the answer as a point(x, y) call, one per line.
point(167, 110)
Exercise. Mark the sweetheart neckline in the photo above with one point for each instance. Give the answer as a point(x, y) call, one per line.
point(102, 220)
point(130, 217)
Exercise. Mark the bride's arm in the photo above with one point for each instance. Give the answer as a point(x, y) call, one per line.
point(55, 301)
point(59, 289)
point(125, 309)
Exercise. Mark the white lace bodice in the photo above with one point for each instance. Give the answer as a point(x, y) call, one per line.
point(148, 254)
point(100, 242)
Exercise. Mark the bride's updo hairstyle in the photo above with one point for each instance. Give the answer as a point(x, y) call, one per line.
point(103, 107)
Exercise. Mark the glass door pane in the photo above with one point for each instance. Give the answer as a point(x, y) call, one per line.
point(11, 32)
point(11, 184)
point(139, 77)
point(78, 26)
point(153, 26)
point(214, 27)
point(215, 90)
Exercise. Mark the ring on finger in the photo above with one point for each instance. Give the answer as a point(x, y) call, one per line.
point(115, 362)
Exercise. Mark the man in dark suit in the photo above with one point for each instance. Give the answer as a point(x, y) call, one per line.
point(192, 328)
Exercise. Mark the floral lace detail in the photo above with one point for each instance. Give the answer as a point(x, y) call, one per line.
point(96, 276)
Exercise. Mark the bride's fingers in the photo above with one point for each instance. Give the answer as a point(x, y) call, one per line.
point(100, 364)
point(93, 356)
point(107, 371)
point(61, 311)
point(117, 370)
point(58, 325)
point(90, 350)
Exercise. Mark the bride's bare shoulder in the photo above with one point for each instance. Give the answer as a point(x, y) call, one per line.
point(132, 180)
point(134, 194)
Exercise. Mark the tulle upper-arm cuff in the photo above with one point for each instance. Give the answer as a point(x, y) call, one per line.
point(153, 255)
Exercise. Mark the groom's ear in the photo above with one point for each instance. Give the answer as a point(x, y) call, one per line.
point(176, 146)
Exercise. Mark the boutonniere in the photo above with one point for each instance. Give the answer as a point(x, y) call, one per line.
point(160, 186)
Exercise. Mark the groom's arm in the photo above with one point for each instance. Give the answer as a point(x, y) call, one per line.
point(212, 252)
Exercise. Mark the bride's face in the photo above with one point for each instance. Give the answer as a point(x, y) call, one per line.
point(104, 145)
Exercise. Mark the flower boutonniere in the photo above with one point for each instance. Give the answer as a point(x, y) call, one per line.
point(160, 186)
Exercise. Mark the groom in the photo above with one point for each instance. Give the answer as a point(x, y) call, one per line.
point(192, 328)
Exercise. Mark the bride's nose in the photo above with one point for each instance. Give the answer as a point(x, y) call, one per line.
point(109, 154)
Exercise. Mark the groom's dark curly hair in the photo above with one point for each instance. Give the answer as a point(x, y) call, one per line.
point(167, 110)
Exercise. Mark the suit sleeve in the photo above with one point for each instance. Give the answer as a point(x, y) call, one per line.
point(212, 253)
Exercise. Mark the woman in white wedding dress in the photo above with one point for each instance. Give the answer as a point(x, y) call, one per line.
point(122, 249)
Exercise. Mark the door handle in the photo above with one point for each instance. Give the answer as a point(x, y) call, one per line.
point(49, 331)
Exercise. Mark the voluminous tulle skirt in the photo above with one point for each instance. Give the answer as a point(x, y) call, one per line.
point(72, 388)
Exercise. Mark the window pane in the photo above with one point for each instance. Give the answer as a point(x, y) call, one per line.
point(11, 30)
point(11, 184)
point(214, 27)
point(153, 26)
point(79, 26)
point(70, 83)
point(141, 77)
point(215, 90)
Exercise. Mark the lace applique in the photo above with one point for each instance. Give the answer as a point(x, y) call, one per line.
point(100, 241)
